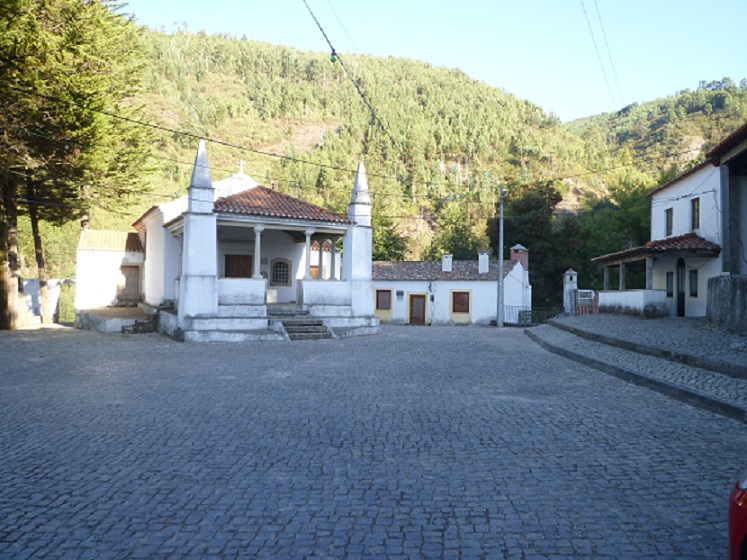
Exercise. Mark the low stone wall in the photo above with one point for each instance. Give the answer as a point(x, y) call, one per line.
point(727, 303)
point(650, 304)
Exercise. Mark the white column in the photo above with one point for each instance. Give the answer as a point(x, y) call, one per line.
point(333, 261)
point(257, 250)
point(649, 273)
point(307, 272)
point(622, 277)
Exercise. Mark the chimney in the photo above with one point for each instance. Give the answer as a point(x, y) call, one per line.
point(446, 263)
point(483, 262)
point(519, 253)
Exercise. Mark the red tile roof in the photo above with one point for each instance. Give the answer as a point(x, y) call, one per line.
point(101, 240)
point(689, 243)
point(431, 270)
point(735, 138)
point(261, 201)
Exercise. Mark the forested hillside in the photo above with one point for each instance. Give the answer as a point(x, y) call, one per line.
point(676, 129)
point(447, 144)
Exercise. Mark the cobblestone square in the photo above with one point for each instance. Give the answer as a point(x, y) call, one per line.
point(420, 443)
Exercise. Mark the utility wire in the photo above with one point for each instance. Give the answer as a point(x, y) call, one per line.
point(609, 54)
point(342, 25)
point(599, 57)
point(335, 55)
point(298, 160)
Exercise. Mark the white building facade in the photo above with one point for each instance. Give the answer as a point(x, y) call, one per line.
point(683, 254)
point(218, 260)
point(452, 292)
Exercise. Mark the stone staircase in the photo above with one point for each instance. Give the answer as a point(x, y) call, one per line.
point(232, 323)
point(297, 323)
point(703, 381)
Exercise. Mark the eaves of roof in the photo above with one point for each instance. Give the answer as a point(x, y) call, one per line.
point(734, 139)
point(688, 243)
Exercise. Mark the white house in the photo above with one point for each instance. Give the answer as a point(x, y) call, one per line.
point(696, 262)
point(452, 292)
point(224, 261)
point(109, 269)
point(684, 251)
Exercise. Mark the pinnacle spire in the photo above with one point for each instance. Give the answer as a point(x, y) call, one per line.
point(201, 172)
point(360, 187)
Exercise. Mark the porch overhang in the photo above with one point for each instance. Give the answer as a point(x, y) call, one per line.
point(295, 228)
point(689, 243)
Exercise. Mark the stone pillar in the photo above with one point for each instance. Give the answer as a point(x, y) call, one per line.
point(357, 247)
point(257, 251)
point(649, 273)
point(570, 287)
point(307, 272)
point(198, 285)
point(621, 273)
point(333, 261)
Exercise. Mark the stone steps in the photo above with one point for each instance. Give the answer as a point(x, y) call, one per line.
point(718, 391)
point(297, 323)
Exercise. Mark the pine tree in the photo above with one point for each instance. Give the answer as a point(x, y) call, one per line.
point(67, 71)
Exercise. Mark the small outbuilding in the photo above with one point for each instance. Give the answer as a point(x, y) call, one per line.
point(451, 291)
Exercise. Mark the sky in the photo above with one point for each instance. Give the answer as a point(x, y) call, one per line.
point(573, 58)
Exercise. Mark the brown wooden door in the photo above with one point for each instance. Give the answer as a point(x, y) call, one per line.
point(238, 266)
point(417, 309)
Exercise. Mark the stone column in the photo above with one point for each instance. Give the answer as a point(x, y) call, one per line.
point(257, 251)
point(649, 273)
point(307, 272)
point(622, 277)
point(198, 290)
point(333, 261)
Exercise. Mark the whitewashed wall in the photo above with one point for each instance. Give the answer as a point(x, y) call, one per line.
point(483, 298)
point(706, 267)
point(703, 184)
point(99, 275)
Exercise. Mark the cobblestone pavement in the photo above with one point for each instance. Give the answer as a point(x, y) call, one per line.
point(692, 336)
point(418, 443)
point(728, 389)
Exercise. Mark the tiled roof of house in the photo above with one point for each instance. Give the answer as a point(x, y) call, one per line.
point(101, 240)
point(690, 243)
point(735, 138)
point(431, 270)
point(261, 201)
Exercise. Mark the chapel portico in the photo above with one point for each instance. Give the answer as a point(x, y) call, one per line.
point(242, 246)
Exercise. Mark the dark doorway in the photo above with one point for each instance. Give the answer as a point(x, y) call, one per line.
point(238, 266)
point(681, 288)
point(417, 309)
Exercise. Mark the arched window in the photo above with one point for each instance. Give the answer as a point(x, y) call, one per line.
point(280, 272)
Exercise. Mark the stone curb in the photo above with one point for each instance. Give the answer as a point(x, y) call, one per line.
point(689, 396)
point(718, 366)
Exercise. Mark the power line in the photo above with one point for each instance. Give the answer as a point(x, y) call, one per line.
point(335, 56)
point(599, 57)
point(342, 25)
point(297, 160)
point(609, 53)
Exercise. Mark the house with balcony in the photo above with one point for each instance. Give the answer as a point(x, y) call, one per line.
point(684, 251)
point(696, 261)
